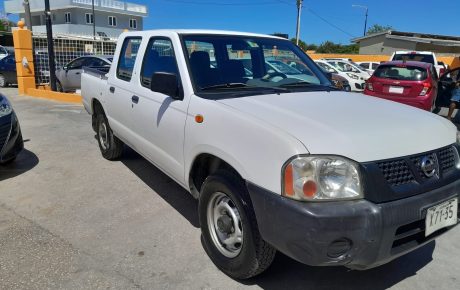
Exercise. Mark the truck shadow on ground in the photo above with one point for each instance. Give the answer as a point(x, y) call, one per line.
point(284, 270)
point(25, 161)
point(163, 185)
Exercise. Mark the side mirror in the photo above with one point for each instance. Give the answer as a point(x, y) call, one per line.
point(329, 75)
point(66, 68)
point(166, 83)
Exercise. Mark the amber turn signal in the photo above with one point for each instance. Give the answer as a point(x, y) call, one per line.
point(199, 118)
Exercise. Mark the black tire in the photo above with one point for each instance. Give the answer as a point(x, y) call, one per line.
point(255, 255)
point(112, 148)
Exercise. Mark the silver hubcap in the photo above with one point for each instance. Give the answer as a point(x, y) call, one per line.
point(103, 138)
point(224, 225)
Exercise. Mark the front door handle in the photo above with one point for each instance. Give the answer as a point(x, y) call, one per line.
point(135, 99)
point(112, 90)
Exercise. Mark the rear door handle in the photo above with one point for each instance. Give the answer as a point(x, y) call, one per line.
point(112, 90)
point(77, 73)
point(135, 99)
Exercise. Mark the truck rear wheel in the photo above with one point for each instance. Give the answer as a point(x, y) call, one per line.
point(229, 228)
point(111, 147)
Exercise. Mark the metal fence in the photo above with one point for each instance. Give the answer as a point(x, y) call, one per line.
point(66, 49)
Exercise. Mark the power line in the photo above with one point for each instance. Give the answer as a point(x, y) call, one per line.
point(328, 22)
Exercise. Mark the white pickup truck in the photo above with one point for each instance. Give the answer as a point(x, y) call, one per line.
point(277, 163)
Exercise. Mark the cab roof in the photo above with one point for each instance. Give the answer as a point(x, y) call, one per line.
point(201, 31)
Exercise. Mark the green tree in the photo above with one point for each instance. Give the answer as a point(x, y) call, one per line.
point(331, 47)
point(376, 28)
point(304, 46)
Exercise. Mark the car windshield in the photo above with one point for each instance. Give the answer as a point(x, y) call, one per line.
point(229, 64)
point(415, 57)
point(402, 73)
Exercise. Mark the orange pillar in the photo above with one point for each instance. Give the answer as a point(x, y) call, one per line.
point(24, 58)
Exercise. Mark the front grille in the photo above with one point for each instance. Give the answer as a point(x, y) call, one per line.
point(446, 159)
point(4, 132)
point(407, 170)
point(396, 172)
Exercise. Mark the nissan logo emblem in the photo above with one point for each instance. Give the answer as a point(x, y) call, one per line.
point(428, 166)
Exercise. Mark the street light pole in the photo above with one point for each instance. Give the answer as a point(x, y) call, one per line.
point(299, 12)
point(49, 37)
point(367, 13)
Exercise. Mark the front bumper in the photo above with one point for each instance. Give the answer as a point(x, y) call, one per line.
point(11, 142)
point(358, 234)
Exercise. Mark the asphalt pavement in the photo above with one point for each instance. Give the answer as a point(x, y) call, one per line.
point(70, 219)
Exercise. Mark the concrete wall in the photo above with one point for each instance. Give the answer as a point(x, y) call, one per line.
point(382, 45)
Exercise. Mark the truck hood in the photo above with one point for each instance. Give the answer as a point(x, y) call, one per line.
point(356, 126)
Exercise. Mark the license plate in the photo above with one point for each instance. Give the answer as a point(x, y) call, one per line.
point(441, 216)
point(396, 90)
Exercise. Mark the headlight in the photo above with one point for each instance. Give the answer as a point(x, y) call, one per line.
point(5, 107)
point(321, 178)
point(353, 76)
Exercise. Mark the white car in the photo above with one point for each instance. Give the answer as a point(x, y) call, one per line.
point(349, 66)
point(370, 66)
point(422, 56)
point(357, 82)
point(327, 177)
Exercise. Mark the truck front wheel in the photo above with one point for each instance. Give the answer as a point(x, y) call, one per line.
point(229, 228)
point(111, 147)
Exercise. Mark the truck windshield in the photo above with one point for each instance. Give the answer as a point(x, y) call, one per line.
point(229, 63)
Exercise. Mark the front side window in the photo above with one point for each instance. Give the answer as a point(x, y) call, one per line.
point(159, 57)
point(128, 57)
point(89, 18)
point(232, 63)
point(76, 64)
point(112, 21)
point(401, 73)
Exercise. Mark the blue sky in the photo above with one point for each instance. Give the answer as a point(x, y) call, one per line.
point(269, 16)
point(322, 20)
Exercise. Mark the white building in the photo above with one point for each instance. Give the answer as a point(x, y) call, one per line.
point(74, 17)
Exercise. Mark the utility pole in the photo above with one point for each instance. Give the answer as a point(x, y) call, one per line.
point(367, 13)
point(299, 12)
point(49, 37)
point(28, 17)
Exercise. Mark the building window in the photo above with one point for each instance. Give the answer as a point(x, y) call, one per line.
point(89, 18)
point(112, 21)
point(67, 17)
point(133, 23)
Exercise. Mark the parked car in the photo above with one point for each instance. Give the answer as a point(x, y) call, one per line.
point(446, 86)
point(11, 142)
point(324, 176)
point(369, 66)
point(5, 51)
point(356, 82)
point(349, 66)
point(423, 56)
point(69, 76)
point(408, 82)
point(339, 82)
point(8, 73)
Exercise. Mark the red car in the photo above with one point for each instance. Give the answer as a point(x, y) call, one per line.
point(409, 82)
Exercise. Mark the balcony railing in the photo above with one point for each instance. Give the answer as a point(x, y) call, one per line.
point(113, 4)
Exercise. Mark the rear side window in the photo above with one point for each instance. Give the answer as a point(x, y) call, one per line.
point(415, 57)
point(159, 57)
point(402, 73)
point(128, 56)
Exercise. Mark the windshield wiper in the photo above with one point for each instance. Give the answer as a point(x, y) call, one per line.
point(225, 86)
point(242, 86)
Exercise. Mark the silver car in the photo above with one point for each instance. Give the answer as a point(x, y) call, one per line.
point(69, 76)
